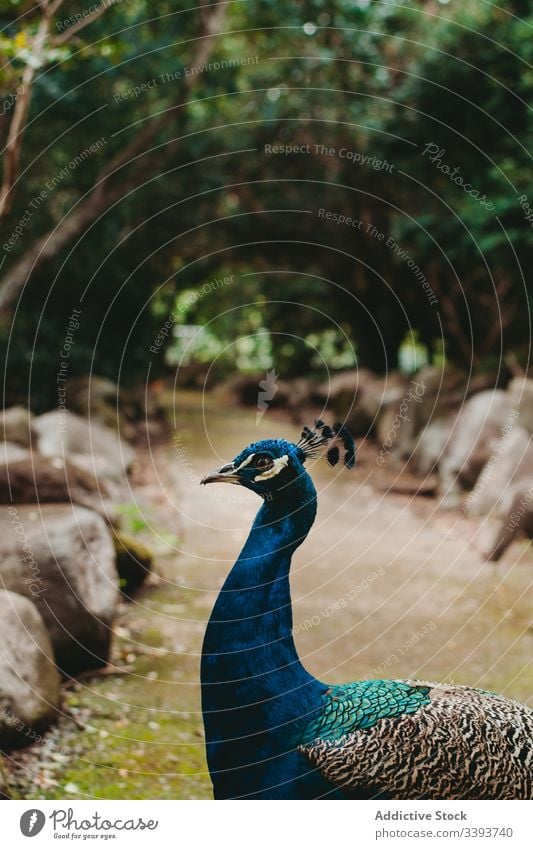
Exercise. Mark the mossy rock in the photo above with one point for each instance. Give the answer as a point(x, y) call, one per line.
point(4, 788)
point(71, 578)
point(134, 562)
point(29, 681)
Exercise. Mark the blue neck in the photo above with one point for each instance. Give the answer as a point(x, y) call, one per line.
point(253, 683)
point(252, 617)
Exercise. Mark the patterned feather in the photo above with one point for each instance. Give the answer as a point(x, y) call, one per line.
point(418, 740)
point(342, 432)
point(314, 440)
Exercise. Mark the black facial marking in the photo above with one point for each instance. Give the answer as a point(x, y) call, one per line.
point(312, 441)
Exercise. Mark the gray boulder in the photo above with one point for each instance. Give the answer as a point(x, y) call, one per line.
point(15, 425)
point(443, 390)
point(90, 394)
point(37, 479)
point(29, 680)
point(520, 395)
point(134, 562)
point(240, 388)
point(395, 420)
point(62, 557)
point(511, 461)
point(387, 406)
point(352, 395)
point(430, 401)
point(100, 398)
point(516, 521)
point(89, 444)
point(11, 452)
point(431, 444)
point(361, 398)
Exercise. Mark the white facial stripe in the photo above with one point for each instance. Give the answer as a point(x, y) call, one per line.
point(277, 466)
point(244, 463)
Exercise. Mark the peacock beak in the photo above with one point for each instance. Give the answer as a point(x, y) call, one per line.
point(225, 473)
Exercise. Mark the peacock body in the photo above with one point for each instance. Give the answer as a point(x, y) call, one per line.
point(273, 731)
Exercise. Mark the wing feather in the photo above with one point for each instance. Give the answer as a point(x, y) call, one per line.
point(452, 743)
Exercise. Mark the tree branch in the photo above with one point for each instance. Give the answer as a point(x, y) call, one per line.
point(79, 25)
point(52, 8)
point(19, 121)
point(20, 118)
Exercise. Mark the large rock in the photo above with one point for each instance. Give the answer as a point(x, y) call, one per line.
point(520, 395)
point(134, 562)
point(37, 479)
point(62, 557)
point(395, 420)
point(352, 395)
point(510, 462)
point(10, 451)
point(390, 416)
point(90, 394)
point(361, 398)
point(481, 421)
point(100, 398)
point(430, 401)
point(265, 391)
point(444, 390)
point(431, 445)
point(88, 444)
point(15, 425)
point(517, 519)
point(29, 680)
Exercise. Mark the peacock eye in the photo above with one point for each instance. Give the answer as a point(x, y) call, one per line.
point(263, 463)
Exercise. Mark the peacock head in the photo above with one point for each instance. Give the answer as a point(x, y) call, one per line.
point(270, 466)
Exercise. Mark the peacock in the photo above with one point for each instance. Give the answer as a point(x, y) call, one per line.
point(273, 731)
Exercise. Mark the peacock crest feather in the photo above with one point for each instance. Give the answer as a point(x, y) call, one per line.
point(313, 441)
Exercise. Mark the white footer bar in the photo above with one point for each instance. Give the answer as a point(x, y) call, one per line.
point(267, 825)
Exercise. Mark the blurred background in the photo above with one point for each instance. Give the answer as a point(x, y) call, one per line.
point(220, 221)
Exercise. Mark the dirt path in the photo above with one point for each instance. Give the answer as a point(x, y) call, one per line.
point(385, 586)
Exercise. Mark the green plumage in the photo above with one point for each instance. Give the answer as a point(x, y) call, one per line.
point(348, 707)
point(418, 740)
